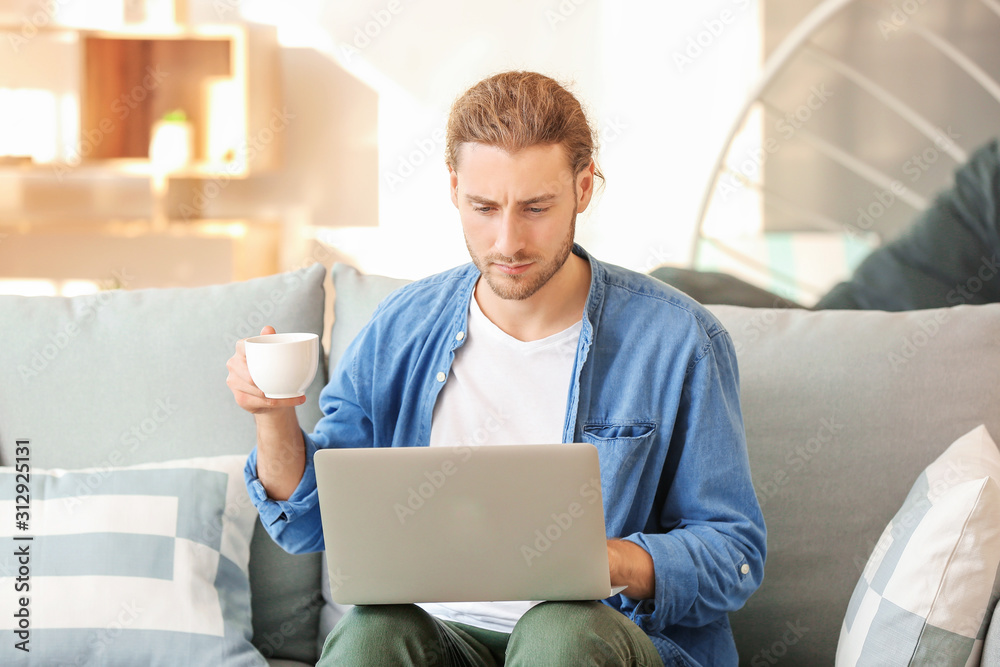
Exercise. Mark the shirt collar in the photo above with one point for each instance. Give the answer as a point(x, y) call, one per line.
point(591, 310)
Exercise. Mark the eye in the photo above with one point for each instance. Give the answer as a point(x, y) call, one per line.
point(537, 209)
point(481, 209)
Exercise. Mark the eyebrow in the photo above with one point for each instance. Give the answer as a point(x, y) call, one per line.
point(476, 199)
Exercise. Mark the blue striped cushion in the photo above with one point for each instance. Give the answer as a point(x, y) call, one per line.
point(140, 565)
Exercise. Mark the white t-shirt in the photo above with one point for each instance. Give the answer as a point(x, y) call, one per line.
point(502, 391)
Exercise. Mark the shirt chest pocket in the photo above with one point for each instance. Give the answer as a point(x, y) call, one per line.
point(623, 448)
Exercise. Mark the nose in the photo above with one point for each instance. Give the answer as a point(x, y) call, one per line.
point(510, 235)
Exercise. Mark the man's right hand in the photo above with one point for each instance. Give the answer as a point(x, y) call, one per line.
point(248, 396)
point(281, 451)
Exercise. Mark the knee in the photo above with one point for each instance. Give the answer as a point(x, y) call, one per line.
point(382, 634)
point(565, 617)
point(578, 633)
point(384, 619)
point(562, 630)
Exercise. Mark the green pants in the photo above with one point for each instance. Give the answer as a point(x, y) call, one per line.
point(576, 634)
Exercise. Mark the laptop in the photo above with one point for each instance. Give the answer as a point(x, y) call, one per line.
point(463, 524)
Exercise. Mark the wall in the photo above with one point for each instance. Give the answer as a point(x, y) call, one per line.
point(369, 83)
point(895, 47)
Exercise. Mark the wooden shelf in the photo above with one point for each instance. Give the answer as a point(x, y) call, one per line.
point(223, 77)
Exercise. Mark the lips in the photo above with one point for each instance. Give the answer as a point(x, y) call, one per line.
point(512, 269)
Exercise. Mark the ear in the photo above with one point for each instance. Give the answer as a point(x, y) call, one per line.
point(453, 178)
point(585, 186)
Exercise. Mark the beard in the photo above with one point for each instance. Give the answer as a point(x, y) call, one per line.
point(520, 287)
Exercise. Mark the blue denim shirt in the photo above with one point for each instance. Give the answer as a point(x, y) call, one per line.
point(655, 388)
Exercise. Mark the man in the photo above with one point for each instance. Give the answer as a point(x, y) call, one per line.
point(556, 347)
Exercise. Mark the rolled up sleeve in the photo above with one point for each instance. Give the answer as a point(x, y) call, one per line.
point(710, 557)
point(294, 524)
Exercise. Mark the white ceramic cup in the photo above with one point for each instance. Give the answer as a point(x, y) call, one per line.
point(282, 365)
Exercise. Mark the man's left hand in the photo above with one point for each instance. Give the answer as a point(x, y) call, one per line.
point(631, 566)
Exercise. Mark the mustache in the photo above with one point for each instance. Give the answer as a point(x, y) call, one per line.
point(497, 258)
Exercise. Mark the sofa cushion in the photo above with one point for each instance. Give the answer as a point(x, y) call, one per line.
point(843, 410)
point(713, 287)
point(127, 377)
point(929, 588)
point(125, 566)
point(355, 297)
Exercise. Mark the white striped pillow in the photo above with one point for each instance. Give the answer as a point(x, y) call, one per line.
point(139, 565)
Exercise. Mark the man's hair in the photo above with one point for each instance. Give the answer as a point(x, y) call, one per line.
point(515, 110)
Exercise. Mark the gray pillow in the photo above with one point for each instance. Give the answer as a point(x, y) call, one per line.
point(127, 377)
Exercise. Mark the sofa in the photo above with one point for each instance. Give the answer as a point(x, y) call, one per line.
point(144, 548)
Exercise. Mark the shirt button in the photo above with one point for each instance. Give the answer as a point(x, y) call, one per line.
point(745, 569)
point(460, 335)
point(440, 377)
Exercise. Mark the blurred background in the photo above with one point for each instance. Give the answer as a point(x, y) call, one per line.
point(168, 143)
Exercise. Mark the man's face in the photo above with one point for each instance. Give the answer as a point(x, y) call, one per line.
point(518, 213)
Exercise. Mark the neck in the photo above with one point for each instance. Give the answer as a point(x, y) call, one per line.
point(553, 308)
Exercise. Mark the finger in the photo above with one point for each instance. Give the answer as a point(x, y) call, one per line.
point(267, 331)
point(240, 385)
point(261, 404)
point(284, 402)
point(238, 370)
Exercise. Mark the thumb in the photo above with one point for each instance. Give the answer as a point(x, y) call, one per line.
point(266, 331)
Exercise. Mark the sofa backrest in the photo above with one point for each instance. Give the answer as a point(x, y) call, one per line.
point(843, 410)
point(127, 377)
